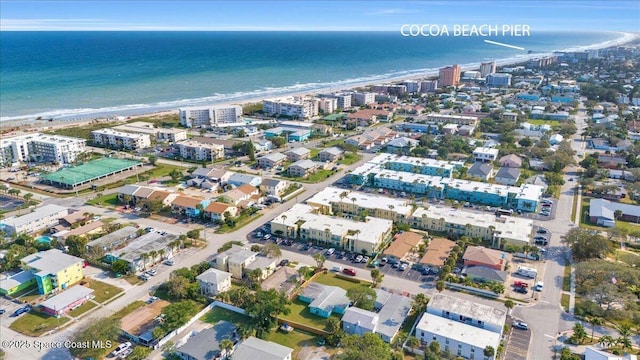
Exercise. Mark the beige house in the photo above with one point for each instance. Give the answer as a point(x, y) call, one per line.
point(303, 168)
point(216, 211)
point(213, 281)
point(273, 186)
point(234, 260)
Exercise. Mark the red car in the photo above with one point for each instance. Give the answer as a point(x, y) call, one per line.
point(349, 272)
point(521, 284)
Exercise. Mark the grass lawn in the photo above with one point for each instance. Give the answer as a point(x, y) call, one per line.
point(36, 324)
point(564, 302)
point(128, 309)
point(296, 339)
point(241, 222)
point(330, 143)
point(103, 291)
point(628, 257)
point(217, 313)
point(585, 223)
point(313, 153)
point(111, 199)
point(332, 279)
point(83, 132)
point(300, 313)
point(82, 309)
point(350, 158)
point(574, 205)
point(543, 122)
point(566, 281)
point(132, 279)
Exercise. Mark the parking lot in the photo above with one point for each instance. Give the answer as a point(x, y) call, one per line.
point(517, 342)
point(9, 308)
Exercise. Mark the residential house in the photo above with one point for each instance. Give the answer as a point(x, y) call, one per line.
point(484, 274)
point(273, 187)
point(298, 153)
point(238, 180)
point(480, 170)
point(188, 206)
point(401, 145)
point(592, 353)
point(611, 161)
point(271, 160)
point(490, 258)
point(263, 145)
point(437, 253)
point(330, 154)
point(372, 139)
point(253, 348)
point(266, 265)
point(53, 270)
point(148, 249)
point(511, 160)
point(391, 311)
point(302, 168)
point(11, 284)
point(108, 242)
point(213, 281)
point(218, 211)
point(41, 218)
point(606, 213)
point(66, 301)
point(213, 174)
point(555, 139)
point(324, 300)
point(485, 154)
point(241, 194)
point(234, 260)
point(205, 344)
point(508, 176)
point(366, 117)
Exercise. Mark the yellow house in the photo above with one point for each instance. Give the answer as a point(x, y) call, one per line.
point(53, 270)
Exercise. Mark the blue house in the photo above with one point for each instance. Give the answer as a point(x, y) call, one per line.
point(420, 128)
point(530, 97)
point(270, 133)
point(324, 300)
point(300, 136)
point(237, 179)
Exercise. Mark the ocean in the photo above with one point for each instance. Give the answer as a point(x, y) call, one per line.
point(87, 74)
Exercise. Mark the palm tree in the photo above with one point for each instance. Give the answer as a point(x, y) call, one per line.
point(606, 340)
point(440, 285)
point(286, 231)
point(144, 257)
point(413, 343)
point(509, 304)
point(226, 346)
point(162, 253)
point(625, 332)
point(594, 320)
point(153, 255)
point(320, 259)
point(3, 188)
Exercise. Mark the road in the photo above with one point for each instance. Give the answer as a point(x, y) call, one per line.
point(186, 259)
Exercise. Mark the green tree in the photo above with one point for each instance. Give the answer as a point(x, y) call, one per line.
point(362, 297)
point(585, 245)
point(77, 245)
point(178, 313)
point(104, 328)
point(366, 347)
point(434, 346)
point(177, 286)
point(265, 308)
point(278, 141)
point(413, 343)
point(151, 206)
point(489, 351)
point(509, 304)
point(579, 334)
point(250, 150)
point(271, 250)
point(120, 266)
point(320, 259)
point(176, 175)
point(153, 159)
point(226, 346)
point(420, 303)
point(376, 277)
point(334, 330)
point(27, 196)
point(440, 285)
point(193, 234)
point(594, 321)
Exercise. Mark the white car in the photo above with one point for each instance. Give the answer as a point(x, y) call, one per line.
point(121, 349)
point(152, 272)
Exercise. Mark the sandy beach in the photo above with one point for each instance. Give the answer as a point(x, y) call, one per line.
point(31, 125)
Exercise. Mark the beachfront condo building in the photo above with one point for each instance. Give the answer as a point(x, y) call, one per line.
point(487, 68)
point(159, 134)
point(428, 86)
point(450, 75)
point(197, 151)
point(210, 116)
point(292, 106)
point(499, 80)
point(39, 147)
point(120, 140)
point(361, 99)
point(328, 105)
point(303, 222)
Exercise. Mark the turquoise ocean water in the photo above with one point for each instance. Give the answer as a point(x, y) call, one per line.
point(85, 74)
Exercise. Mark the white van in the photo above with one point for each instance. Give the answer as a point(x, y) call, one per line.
point(120, 349)
point(539, 286)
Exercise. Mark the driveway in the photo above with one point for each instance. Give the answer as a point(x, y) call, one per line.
point(517, 343)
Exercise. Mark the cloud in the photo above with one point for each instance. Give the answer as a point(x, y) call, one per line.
point(383, 12)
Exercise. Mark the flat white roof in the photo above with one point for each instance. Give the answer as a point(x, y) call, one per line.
point(509, 227)
point(37, 214)
point(50, 262)
point(486, 150)
point(415, 161)
point(458, 331)
point(67, 297)
point(39, 137)
point(121, 134)
point(331, 195)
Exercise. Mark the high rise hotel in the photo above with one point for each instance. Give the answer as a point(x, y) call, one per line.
point(450, 76)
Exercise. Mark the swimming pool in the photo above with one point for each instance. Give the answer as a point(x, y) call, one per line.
point(44, 239)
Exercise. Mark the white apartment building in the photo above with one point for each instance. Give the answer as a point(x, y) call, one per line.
point(293, 106)
point(198, 151)
point(213, 282)
point(360, 99)
point(39, 147)
point(40, 219)
point(412, 86)
point(451, 119)
point(207, 116)
point(487, 68)
point(171, 135)
point(344, 100)
point(485, 154)
point(333, 231)
point(328, 105)
point(460, 326)
point(120, 140)
point(160, 134)
point(429, 86)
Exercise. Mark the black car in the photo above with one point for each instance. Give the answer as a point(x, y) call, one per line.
point(284, 262)
point(2, 311)
point(521, 290)
point(306, 247)
point(21, 310)
point(542, 231)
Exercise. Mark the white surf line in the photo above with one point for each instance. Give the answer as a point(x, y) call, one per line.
point(503, 44)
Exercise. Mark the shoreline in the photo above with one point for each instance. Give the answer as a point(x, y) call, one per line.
point(102, 115)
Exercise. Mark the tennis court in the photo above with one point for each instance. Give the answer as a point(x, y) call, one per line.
point(90, 171)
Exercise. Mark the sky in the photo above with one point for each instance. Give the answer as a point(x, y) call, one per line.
point(335, 15)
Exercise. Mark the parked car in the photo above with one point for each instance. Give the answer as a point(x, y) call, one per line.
point(152, 272)
point(521, 290)
point(125, 353)
point(541, 231)
point(331, 251)
point(267, 237)
point(151, 300)
point(521, 325)
point(359, 258)
point(284, 262)
point(403, 267)
point(144, 277)
point(2, 311)
point(121, 349)
point(349, 271)
point(521, 284)
point(169, 262)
